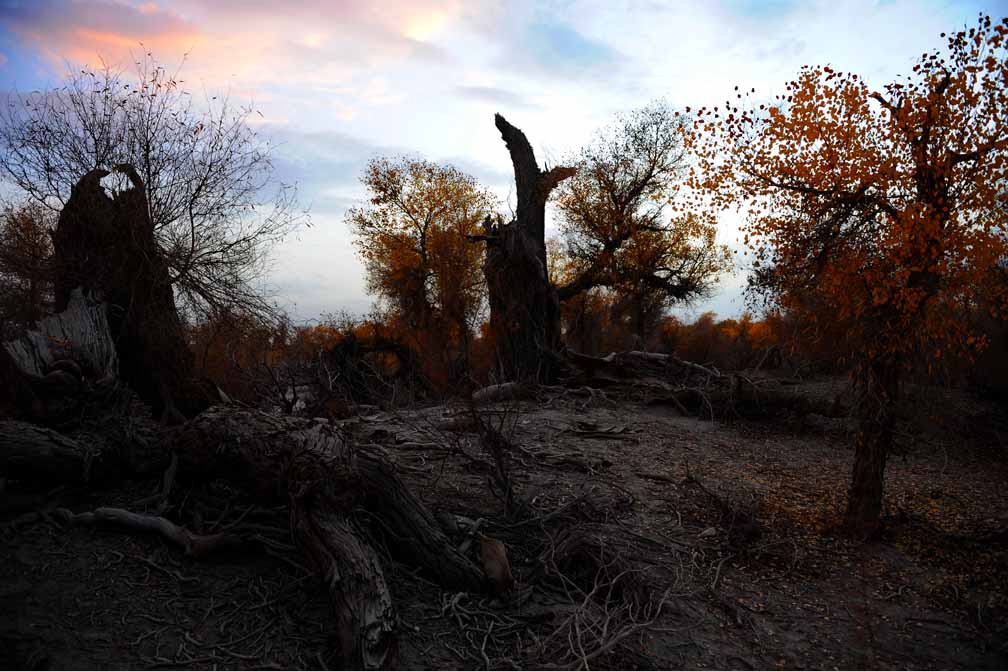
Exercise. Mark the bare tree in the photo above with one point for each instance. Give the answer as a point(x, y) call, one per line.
point(615, 226)
point(213, 199)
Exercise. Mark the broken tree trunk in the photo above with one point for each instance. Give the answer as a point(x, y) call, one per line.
point(107, 246)
point(80, 333)
point(324, 480)
point(524, 308)
point(50, 366)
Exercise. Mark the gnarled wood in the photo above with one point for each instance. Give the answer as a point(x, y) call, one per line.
point(79, 333)
point(324, 479)
point(524, 308)
point(29, 452)
point(107, 246)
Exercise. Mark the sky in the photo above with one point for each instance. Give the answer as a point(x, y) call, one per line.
point(337, 83)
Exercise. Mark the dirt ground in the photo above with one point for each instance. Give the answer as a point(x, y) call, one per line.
point(726, 530)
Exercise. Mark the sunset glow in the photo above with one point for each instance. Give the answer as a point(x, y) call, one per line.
point(337, 83)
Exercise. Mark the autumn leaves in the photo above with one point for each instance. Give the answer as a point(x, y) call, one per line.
point(885, 207)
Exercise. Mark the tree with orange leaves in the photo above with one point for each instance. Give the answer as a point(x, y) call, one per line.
point(25, 278)
point(886, 206)
point(412, 236)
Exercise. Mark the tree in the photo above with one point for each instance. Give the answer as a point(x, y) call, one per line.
point(208, 177)
point(25, 279)
point(107, 247)
point(413, 238)
point(524, 308)
point(883, 205)
point(615, 223)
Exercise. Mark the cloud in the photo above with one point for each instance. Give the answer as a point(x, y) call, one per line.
point(493, 95)
point(250, 44)
point(340, 82)
point(79, 32)
point(560, 50)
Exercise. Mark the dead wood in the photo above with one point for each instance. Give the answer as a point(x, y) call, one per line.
point(107, 246)
point(66, 355)
point(524, 307)
point(197, 546)
point(694, 388)
point(105, 448)
point(79, 334)
point(37, 454)
point(349, 375)
point(505, 391)
point(328, 483)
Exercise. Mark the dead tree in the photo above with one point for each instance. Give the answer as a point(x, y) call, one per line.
point(340, 495)
point(107, 246)
point(524, 308)
point(56, 361)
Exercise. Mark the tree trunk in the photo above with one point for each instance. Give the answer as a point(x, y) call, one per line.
point(878, 393)
point(37, 454)
point(107, 245)
point(79, 333)
point(46, 369)
point(524, 308)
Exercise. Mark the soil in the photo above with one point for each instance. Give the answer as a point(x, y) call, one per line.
point(731, 525)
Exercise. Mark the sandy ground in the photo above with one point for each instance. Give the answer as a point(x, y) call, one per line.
point(731, 525)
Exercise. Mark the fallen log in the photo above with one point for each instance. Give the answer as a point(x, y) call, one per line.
point(694, 388)
point(35, 453)
point(506, 391)
point(326, 481)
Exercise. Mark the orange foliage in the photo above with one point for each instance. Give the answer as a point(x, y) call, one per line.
point(881, 210)
point(413, 238)
point(25, 281)
point(229, 350)
point(729, 344)
point(885, 206)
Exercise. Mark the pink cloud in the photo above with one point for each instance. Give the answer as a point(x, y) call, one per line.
point(244, 42)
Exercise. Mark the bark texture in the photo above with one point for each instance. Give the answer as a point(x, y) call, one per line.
point(47, 369)
point(79, 333)
point(307, 464)
point(38, 454)
point(107, 246)
point(524, 308)
point(878, 392)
